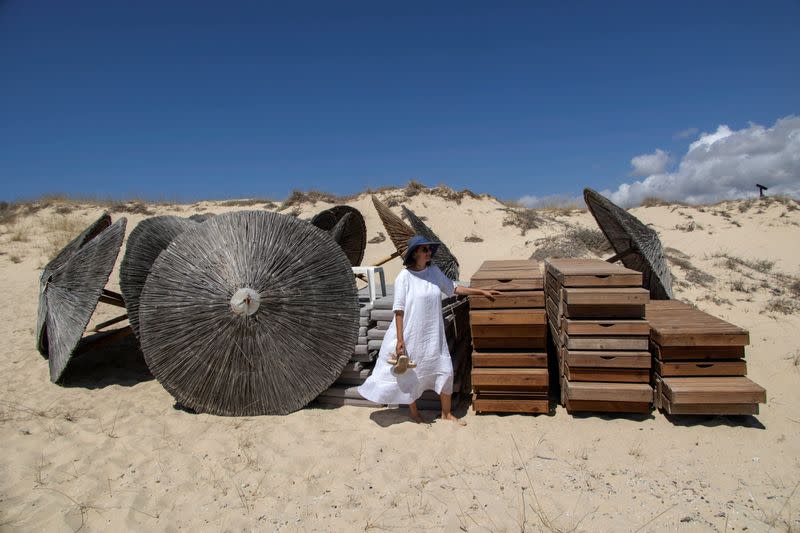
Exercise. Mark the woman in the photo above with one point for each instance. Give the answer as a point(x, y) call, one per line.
point(418, 331)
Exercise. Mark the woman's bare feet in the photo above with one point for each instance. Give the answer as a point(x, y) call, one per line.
point(453, 418)
point(413, 414)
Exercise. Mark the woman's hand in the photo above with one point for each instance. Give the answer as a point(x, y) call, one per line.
point(490, 294)
point(400, 348)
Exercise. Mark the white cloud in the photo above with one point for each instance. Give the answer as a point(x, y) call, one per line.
point(552, 200)
point(726, 164)
point(647, 164)
point(685, 134)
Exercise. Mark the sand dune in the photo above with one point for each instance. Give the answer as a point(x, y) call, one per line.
point(110, 451)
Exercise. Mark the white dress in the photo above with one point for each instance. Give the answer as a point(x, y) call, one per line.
point(419, 296)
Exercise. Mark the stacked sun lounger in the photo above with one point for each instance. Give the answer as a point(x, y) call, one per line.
point(596, 315)
point(509, 360)
point(699, 363)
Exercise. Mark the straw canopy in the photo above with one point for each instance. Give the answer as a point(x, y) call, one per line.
point(249, 313)
point(60, 259)
point(637, 246)
point(347, 227)
point(399, 232)
point(443, 258)
point(71, 293)
point(148, 239)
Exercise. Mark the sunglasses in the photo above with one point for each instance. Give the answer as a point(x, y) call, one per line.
point(424, 249)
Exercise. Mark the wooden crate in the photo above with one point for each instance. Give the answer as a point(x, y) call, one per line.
point(492, 402)
point(507, 343)
point(674, 323)
point(736, 367)
point(606, 359)
point(506, 317)
point(592, 273)
point(509, 300)
point(611, 375)
point(510, 379)
point(612, 327)
point(513, 275)
point(696, 353)
point(613, 343)
point(510, 359)
point(711, 390)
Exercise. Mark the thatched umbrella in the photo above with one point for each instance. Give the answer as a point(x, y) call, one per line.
point(444, 259)
point(249, 313)
point(72, 291)
point(148, 239)
point(637, 246)
point(351, 230)
point(399, 232)
point(62, 257)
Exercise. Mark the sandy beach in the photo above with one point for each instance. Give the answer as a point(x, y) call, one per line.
point(110, 450)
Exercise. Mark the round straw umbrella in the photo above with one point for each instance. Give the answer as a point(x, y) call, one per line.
point(399, 232)
point(249, 313)
point(637, 246)
point(148, 239)
point(72, 291)
point(351, 230)
point(62, 257)
point(444, 259)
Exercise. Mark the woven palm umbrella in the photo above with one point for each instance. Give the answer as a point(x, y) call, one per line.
point(72, 291)
point(351, 230)
point(62, 257)
point(637, 246)
point(249, 313)
point(399, 232)
point(444, 259)
point(148, 239)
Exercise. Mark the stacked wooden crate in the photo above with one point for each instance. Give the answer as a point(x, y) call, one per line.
point(509, 360)
point(699, 363)
point(596, 315)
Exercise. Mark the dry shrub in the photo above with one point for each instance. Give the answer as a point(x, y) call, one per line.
point(593, 239)
point(8, 213)
point(59, 230)
point(653, 201)
point(15, 259)
point(794, 288)
point(782, 305)
point(689, 226)
point(413, 188)
point(472, 238)
point(762, 266)
point(739, 285)
point(134, 207)
point(313, 196)
point(693, 274)
point(556, 246)
point(247, 202)
point(524, 219)
point(378, 238)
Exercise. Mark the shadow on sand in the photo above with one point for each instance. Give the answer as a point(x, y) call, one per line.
point(711, 421)
point(103, 359)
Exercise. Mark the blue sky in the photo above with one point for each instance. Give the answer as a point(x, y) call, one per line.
point(190, 100)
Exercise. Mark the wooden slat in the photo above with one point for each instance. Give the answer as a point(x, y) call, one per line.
point(510, 406)
point(522, 330)
point(605, 327)
point(616, 375)
point(607, 359)
point(615, 296)
point(510, 264)
point(499, 343)
point(603, 311)
point(674, 323)
point(729, 409)
point(592, 273)
point(510, 359)
point(506, 317)
point(507, 284)
point(611, 392)
point(701, 368)
point(509, 378)
point(684, 353)
point(510, 299)
point(606, 343)
point(707, 390)
point(581, 406)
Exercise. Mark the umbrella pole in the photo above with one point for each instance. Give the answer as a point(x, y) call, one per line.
point(387, 259)
point(107, 323)
point(112, 298)
point(617, 257)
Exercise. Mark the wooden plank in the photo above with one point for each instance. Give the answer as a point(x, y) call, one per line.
point(574, 406)
point(609, 392)
point(736, 367)
point(508, 300)
point(607, 359)
point(508, 284)
point(708, 390)
point(614, 296)
point(509, 343)
point(729, 409)
point(515, 331)
point(510, 264)
point(592, 273)
point(606, 343)
point(684, 353)
point(553, 312)
point(603, 311)
point(674, 323)
point(615, 375)
point(508, 379)
point(510, 359)
point(510, 406)
point(511, 395)
point(506, 317)
point(605, 327)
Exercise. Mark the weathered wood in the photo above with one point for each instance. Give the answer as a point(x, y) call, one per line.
point(516, 331)
point(701, 368)
point(605, 327)
point(510, 359)
point(507, 317)
point(615, 375)
point(507, 343)
point(507, 284)
point(512, 405)
point(611, 392)
point(708, 390)
point(581, 406)
point(592, 273)
point(685, 353)
point(603, 311)
point(674, 323)
point(111, 322)
point(508, 379)
point(607, 297)
point(607, 359)
point(724, 409)
point(510, 299)
point(605, 343)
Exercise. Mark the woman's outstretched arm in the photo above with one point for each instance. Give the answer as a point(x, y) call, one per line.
point(477, 292)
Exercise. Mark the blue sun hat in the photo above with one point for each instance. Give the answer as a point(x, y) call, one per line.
point(415, 242)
